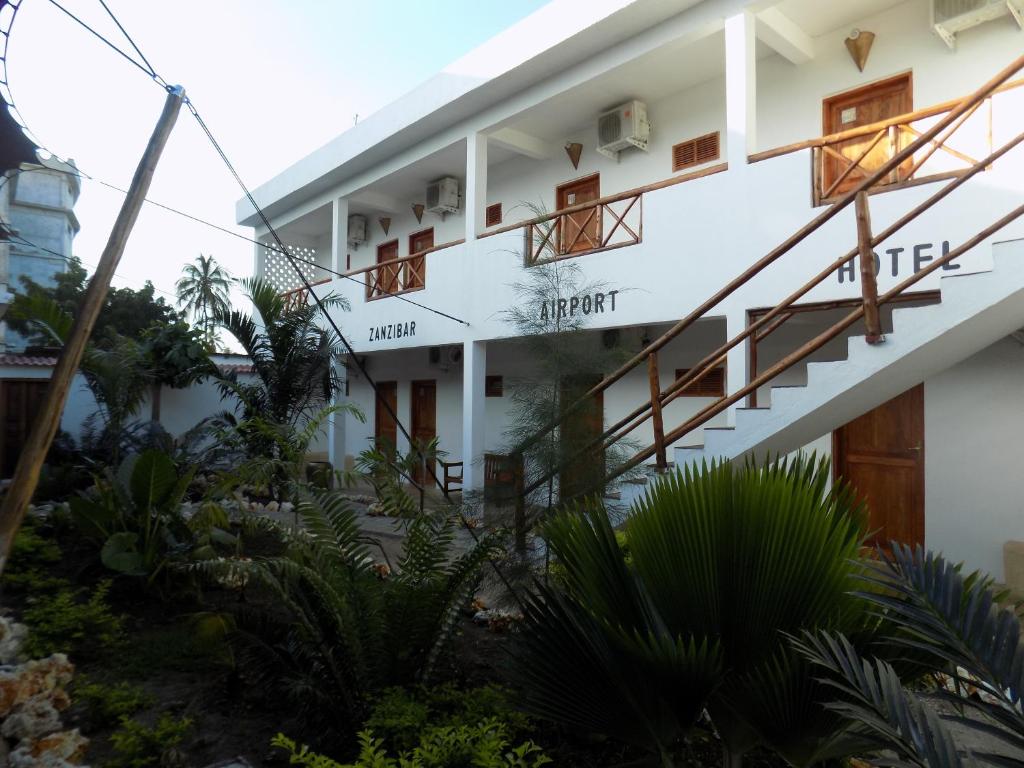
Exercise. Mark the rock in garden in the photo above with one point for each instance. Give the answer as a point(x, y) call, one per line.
point(21, 683)
point(12, 635)
point(58, 750)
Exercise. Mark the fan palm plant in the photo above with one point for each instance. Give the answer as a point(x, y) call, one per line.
point(338, 631)
point(958, 624)
point(725, 564)
point(203, 291)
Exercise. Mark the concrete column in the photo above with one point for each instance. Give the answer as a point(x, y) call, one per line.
point(476, 184)
point(740, 89)
point(474, 372)
point(259, 259)
point(339, 234)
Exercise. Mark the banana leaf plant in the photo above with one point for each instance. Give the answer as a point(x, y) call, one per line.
point(726, 563)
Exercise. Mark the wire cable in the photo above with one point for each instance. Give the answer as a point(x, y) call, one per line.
point(128, 37)
point(149, 72)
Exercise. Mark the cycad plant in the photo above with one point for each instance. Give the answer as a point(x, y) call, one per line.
point(340, 630)
point(725, 564)
point(203, 291)
point(953, 622)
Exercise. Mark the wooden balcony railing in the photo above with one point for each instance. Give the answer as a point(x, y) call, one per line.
point(841, 161)
point(297, 297)
point(610, 222)
point(397, 276)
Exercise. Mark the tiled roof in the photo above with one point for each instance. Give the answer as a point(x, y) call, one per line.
point(34, 360)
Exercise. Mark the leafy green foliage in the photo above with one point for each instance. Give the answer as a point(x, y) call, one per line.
point(484, 745)
point(339, 632)
point(957, 623)
point(726, 563)
point(177, 355)
point(399, 716)
point(388, 469)
point(203, 291)
point(32, 558)
point(104, 705)
point(140, 746)
point(64, 622)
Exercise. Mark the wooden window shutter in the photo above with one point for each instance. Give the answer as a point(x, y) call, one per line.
point(493, 215)
point(711, 385)
point(698, 151)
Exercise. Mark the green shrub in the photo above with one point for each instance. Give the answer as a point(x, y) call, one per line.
point(139, 746)
point(64, 623)
point(104, 705)
point(32, 558)
point(399, 717)
point(484, 745)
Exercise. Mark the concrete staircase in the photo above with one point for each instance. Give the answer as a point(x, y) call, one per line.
point(975, 311)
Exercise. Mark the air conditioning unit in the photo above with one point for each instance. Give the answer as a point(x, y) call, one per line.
point(455, 354)
point(443, 195)
point(952, 16)
point(356, 229)
point(445, 357)
point(623, 127)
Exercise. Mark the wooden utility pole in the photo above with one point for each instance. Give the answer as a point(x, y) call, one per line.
point(30, 462)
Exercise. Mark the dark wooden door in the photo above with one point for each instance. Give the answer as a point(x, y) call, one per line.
point(385, 431)
point(579, 231)
point(20, 401)
point(424, 421)
point(415, 269)
point(881, 454)
point(583, 474)
point(878, 101)
point(387, 276)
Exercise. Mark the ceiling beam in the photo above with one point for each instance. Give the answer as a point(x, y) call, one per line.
point(784, 36)
point(522, 143)
point(376, 201)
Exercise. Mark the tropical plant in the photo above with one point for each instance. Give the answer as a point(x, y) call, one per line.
point(726, 562)
point(340, 629)
point(203, 291)
point(959, 626)
point(482, 745)
point(294, 364)
point(387, 469)
point(176, 357)
point(134, 516)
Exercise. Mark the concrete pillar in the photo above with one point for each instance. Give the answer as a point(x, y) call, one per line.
point(476, 184)
point(740, 89)
point(339, 234)
point(474, 372)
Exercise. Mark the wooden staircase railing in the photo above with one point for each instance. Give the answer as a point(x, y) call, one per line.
point(949, 115)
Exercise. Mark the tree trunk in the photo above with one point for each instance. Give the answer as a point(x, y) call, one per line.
point(155, 410)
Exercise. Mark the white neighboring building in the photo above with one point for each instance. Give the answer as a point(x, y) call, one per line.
point(757, 119)
point(37, 203)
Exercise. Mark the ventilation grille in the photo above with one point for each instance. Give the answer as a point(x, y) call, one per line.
point(697, 151)
point(493, 215)
point(609, 128)
point(711, 385)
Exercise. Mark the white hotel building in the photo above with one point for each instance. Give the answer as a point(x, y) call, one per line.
point(763, 119)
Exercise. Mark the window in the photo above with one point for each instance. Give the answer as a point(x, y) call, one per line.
point(697, 151)
point(494, 386)
point(711, 385)
point(493, 215)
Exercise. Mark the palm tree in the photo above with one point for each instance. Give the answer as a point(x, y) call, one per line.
point(203, 291)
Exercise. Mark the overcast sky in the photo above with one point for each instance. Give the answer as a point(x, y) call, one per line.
point(274, 79)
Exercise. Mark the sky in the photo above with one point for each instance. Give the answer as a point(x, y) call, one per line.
point(273, 79)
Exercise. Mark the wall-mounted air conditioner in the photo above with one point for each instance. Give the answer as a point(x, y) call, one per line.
point(445, 357)
point(952, 16)
point(356, 229)
point(623, 127)
point(443, 195)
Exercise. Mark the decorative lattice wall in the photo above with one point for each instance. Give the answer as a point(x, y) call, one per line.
point(280, 273)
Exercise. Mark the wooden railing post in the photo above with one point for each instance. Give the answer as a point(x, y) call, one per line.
point(659, 426)
point(868, 284)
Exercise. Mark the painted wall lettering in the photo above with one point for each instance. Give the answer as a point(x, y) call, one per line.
point(586, 304)
point(392, 331)
point(899, 259)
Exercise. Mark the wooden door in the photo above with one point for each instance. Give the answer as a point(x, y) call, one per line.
point(424, 422)
point(387, 277)
point(878, 101)
point(415, 269)
point(385, 430)
point(579, 231)
point(20, 401)
point(881, 454)
point(582, 474)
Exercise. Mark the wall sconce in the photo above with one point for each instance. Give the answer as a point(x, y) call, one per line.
point(417, 209)
point(385, 223)
point(574, 149)
point(859, 45)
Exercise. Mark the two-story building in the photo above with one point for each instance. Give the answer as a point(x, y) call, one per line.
point(760, 188)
